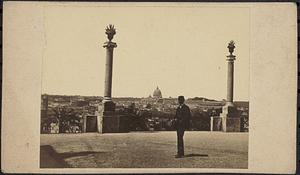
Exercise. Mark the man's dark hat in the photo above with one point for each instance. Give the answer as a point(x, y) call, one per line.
point(180, 97)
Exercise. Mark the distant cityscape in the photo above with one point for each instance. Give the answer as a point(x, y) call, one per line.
point(65, 114)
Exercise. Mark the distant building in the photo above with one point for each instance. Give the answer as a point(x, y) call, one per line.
point(157, 93)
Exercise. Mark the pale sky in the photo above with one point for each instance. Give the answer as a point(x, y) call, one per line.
point(180, 49)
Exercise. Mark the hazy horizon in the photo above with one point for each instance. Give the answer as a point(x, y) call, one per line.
point(138, 97)
point(182, 50)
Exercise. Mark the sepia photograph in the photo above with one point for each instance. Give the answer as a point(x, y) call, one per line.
point(151, 87)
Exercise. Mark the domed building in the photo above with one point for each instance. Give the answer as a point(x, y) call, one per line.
point(157, 93)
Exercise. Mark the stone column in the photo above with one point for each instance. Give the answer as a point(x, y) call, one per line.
point(108, 120)
point(229, 120)
point(109, 45)
point(229, 116)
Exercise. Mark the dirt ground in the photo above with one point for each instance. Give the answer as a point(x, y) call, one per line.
point(144, 150)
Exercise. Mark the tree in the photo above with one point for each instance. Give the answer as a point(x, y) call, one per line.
point(67, 117)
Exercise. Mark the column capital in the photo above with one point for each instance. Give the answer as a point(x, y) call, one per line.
point(109, 44)
point(230, 57)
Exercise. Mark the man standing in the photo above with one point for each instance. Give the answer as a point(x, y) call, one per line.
point(182, 122)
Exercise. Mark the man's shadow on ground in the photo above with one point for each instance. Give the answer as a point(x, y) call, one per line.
point(196, 155)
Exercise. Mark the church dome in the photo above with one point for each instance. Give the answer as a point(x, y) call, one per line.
point(157, 93)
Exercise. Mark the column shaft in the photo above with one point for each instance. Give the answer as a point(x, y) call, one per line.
point(230, 79)
point(108, 73)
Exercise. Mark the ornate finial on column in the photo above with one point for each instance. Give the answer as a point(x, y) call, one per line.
point(231, 47)
point(110, 31)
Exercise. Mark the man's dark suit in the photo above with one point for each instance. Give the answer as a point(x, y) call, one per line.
point(182, 118)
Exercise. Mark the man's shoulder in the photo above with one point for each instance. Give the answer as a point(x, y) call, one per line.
point(186, 106)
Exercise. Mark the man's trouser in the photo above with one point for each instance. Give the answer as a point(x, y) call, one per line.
point(180, 146)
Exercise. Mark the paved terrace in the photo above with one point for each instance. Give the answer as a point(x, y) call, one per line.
point(144, 150)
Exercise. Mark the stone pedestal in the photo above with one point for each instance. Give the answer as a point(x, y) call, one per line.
point(229, 111)
point(231, 124)
point(114, 123)
point(111, 121)
point(109, 106)
point(231, 120)
point(228, 121)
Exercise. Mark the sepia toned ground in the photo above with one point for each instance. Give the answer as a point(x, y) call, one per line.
point(144, 150)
